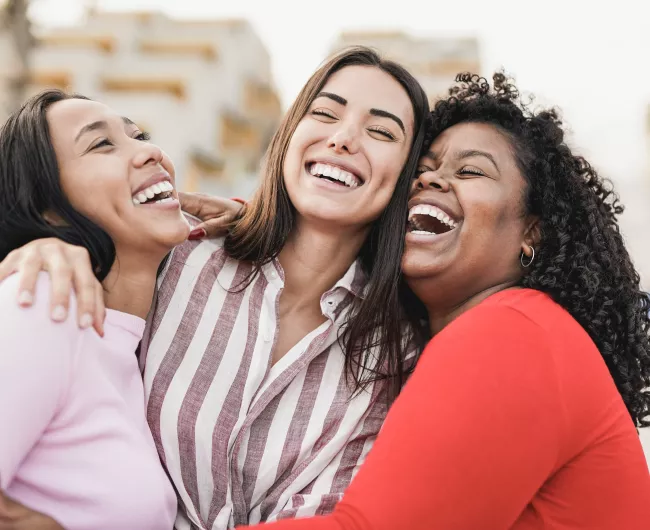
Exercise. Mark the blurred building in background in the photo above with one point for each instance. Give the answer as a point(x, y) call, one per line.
point(203, 89)
point(434, 62)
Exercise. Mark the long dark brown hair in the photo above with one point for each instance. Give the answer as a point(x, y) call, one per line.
point(376, 335)
point(30, 185)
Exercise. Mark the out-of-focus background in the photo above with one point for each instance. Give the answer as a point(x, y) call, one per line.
point(211, 80)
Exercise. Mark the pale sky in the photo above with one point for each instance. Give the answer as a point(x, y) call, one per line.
point(593, 61)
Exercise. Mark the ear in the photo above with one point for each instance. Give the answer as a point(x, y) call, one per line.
point(532, 236)
point(53, 218)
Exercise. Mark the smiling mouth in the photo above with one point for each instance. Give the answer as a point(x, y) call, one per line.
point(425, 219)
point(334, 174)
point(158, 193)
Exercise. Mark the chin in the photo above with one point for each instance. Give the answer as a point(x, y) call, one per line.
point(166, 237)
point(418, 268)
point(324, 212)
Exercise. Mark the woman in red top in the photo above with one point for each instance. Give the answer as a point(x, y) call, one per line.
point(521, 412)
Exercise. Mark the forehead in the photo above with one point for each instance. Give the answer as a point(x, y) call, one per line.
point(370, 87)
point(478, 136)
point(70, 115)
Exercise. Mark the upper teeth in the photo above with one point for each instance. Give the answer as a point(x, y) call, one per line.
point(335, 173)
point(433, 211)
point(152, 191)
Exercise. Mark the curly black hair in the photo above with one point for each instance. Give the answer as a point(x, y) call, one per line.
point(582, 262)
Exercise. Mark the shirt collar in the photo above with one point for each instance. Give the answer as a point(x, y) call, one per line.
point(354, 280)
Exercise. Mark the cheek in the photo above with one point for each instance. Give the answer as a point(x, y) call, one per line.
point(168, 166)
point(387, 165)
point(294, 157)
point(494, 224)
point(100, 197)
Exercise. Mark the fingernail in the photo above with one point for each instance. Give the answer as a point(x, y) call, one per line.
point(197, 233)
point(25, 298)
point(59, 313)
point(86, 321)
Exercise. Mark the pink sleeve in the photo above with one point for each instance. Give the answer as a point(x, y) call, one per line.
point(36, 357)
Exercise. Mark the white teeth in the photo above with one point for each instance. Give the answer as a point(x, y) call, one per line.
point(152, 191)
point(433, 211)
point(421, 232)
point(335, 173)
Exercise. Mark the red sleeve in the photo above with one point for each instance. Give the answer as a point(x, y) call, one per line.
point(472, 437)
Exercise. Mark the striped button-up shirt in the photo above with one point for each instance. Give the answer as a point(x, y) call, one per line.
point(242, 439)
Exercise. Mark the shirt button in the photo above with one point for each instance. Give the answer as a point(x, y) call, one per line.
point(274, 275)
point(268, 334)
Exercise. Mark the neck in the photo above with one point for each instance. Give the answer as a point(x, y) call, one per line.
point(439, 317)
point(313, 261)
point(130, 285)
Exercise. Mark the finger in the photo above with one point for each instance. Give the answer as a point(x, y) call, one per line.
point(100, 310)
point(8, 265)
point(61, 283)
point(4, 504)
point(215, 227)
point(29, 268)
point(191, 203)
point(84, 284)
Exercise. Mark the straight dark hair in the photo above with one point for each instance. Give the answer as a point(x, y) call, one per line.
point(377, 335)
point(30, 186)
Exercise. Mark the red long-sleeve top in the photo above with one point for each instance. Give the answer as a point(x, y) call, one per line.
point(511, 420)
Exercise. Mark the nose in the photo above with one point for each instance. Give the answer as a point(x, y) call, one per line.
point(431, 180)
point(345, 139)
point(147, 154)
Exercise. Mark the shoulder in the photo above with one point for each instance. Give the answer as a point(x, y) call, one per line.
point(32, 343)
point(506, 330)
point(512, 310)
point(36, 318)
point(193, 255)
point(519, 309)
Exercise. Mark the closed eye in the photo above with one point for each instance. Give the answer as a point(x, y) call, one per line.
point(324, 113)
point(384, 132)
point(102, 143)
point(471, 171)
point(421, 169)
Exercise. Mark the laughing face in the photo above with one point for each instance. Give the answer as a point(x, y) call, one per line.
point(111, 174)
point(467, 220)
point(348, 151)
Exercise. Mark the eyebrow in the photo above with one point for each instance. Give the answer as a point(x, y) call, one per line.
point(96, 125)
point(374, 112)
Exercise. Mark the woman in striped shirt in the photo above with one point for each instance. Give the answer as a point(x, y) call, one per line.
point(265, 377)
point(521, 412)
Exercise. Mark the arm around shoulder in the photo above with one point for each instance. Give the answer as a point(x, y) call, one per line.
point(36, 363)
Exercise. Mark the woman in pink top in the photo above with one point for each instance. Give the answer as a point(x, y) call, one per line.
point(74, 443)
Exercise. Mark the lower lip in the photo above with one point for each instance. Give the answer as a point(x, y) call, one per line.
point(429, 238)
point(174, 204)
